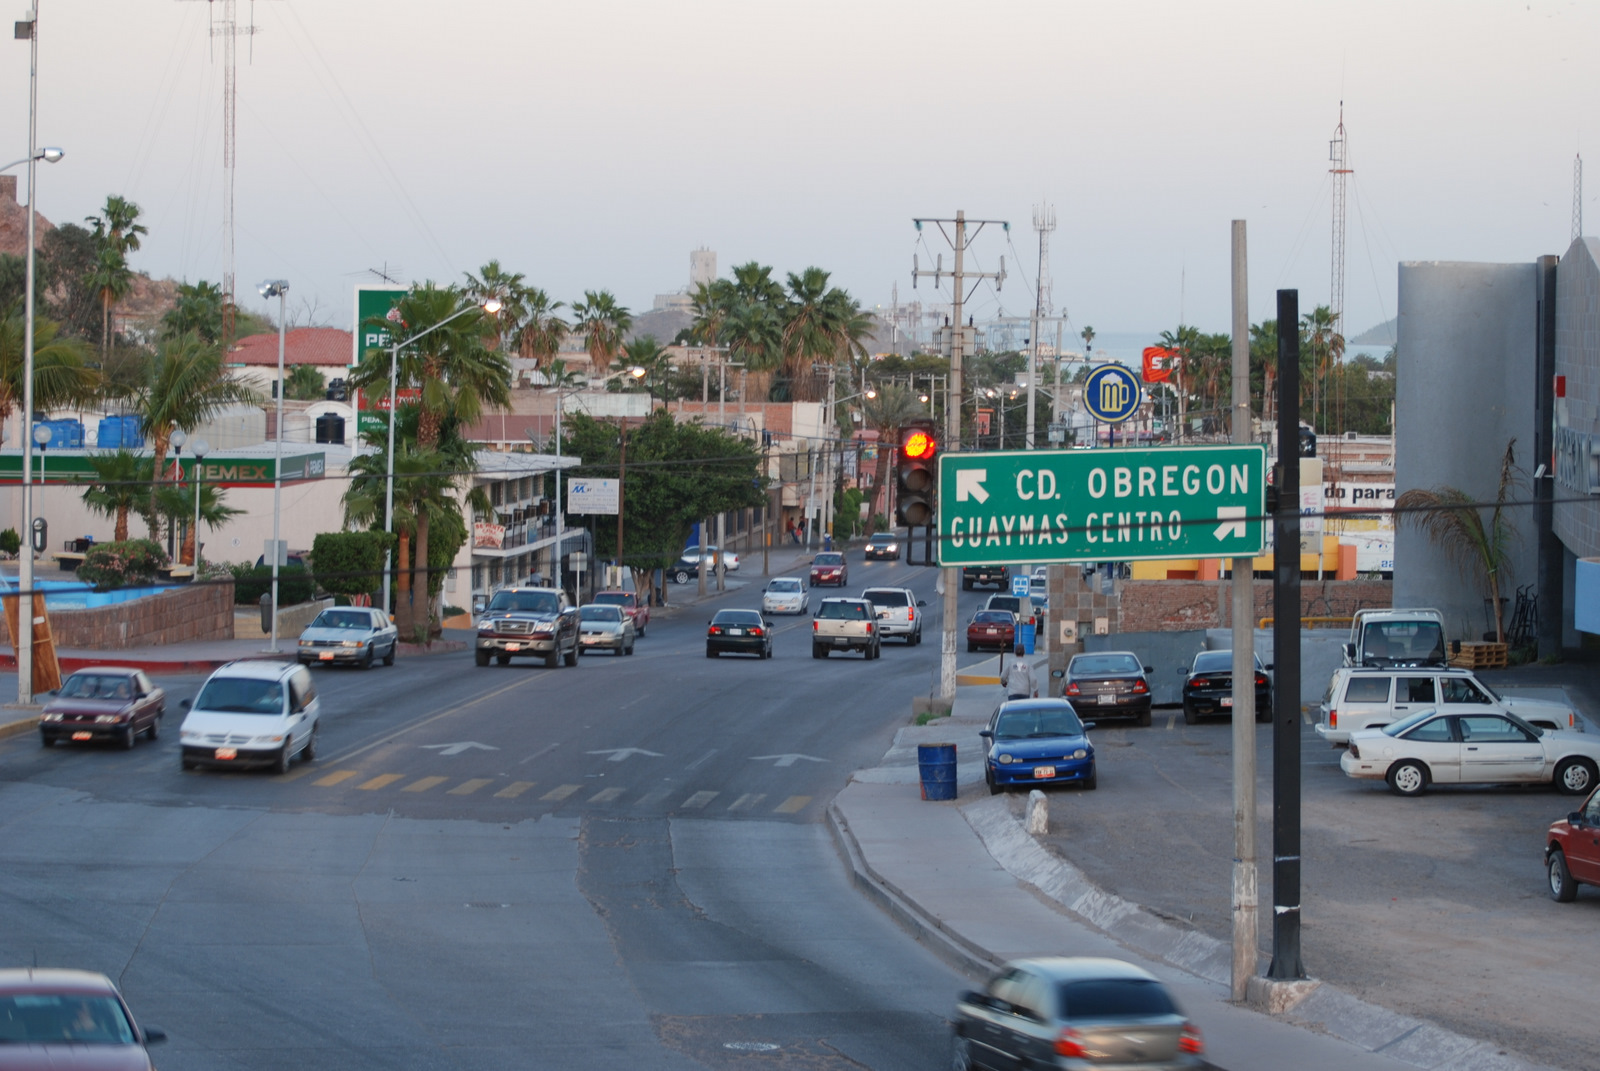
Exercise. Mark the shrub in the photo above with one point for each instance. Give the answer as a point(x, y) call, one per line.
point(350, 563)
point(118, 565)
point(250, 582)
point(10, 542)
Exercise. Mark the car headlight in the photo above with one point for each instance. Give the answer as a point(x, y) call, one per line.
point(1080, 754)
point(308, 643)
point(269, 739)
point(486, 625)
point(1006, 760)
point(107, 719)
point(349, 643)
point(50, 717)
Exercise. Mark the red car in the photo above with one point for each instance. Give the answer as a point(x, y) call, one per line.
point(632, 605)
point(1572, 851)
point(69, 1020)
point(992, 628)
point(829, 568)
point(103, 703)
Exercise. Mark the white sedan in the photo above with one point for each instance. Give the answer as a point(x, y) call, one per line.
point(1431, 747)
point(785, 595)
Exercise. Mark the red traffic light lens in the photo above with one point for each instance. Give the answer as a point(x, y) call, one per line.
point(918, 446)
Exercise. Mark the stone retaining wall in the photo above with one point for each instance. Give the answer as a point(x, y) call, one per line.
point(189, 612)
point(1167, 605)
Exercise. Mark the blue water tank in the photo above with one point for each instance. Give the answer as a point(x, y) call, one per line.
point(119, 433)
point(64, 434)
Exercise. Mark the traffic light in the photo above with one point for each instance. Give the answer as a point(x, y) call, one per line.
point(916, 477)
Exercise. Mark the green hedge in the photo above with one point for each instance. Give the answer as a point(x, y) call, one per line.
point(250, 582)
point(109, 566)
point(350, 563)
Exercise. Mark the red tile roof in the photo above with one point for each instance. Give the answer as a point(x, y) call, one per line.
point(301, 345)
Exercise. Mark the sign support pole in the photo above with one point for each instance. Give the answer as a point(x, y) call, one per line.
point(1246, 895)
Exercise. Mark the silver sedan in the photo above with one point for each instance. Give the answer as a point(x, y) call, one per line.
point(785, 595)
point(1431, 747)
point(604, 627)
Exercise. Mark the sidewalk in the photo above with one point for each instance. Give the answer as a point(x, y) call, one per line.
point(967, 879)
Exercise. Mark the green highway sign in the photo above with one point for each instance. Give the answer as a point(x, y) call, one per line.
point(1035, 506)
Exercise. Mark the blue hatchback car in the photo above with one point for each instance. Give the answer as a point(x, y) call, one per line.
point(1037, 742)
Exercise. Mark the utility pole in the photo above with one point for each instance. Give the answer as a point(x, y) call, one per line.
point(958, 278)
point(1044, 221)
point(825, 507)
point(1246, 896)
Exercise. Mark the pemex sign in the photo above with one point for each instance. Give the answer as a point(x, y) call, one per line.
point(1035, 506)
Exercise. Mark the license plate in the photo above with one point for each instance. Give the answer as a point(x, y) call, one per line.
point(513, 646)
point(83, 736)
point(840, 640)
point(1044, 771)
point(325, 656)
point(1107, 699)
point(227, 753)
point(736, 632)
point(992, 631)
point(1227, 700)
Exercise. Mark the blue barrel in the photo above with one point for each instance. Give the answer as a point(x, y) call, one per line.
point(937, 763)
point(110, 435)
point(1025, 636)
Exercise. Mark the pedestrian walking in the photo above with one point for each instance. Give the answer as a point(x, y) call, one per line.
point(788, 527)
point(1018, 680)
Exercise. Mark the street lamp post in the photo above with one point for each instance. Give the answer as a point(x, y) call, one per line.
point(42, 435)
point(200, 448)
point(276, 288)
point(177, 439)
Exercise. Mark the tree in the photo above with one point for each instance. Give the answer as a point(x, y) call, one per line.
point(60, 374)
point(122, 482)
point(197, 311)
point(822, 324)
point(603, 323)
point(645, 352)
point(304, 383)
point(496, 284)
point(890, 411)
point(1321, 351)
point(111, 278)
point(177, 505)
point(542, 332)
point(65, 261)
point(1480, 549)
point(350, 563)
point(116, 233)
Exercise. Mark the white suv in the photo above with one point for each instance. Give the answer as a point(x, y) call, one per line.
point(252, 714)
point(1372, 698)
point(897, 613)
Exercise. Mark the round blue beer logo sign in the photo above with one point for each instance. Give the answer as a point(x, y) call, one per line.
point(1111, 394)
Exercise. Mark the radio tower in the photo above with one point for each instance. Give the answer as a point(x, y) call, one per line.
point(1340, 172)
point(1577, 197)
point(227, 27)
point(1044, 221)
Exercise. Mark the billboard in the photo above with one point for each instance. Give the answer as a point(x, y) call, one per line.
point(592, 496)
point(373, 302)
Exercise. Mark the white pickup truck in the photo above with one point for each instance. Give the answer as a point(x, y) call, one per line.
point(846, 625)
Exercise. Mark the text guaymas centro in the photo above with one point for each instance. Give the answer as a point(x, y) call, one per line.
point(1130, 487)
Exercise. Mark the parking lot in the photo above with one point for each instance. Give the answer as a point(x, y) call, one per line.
point(1399, 895)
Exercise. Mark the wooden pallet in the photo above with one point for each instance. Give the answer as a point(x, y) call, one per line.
point(1480, 656)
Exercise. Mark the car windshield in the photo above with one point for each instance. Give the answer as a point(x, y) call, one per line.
point(843, 611)
point(96, 686)
point(73, 1018)
point(614, 598)
point(993, 617)
point(1395, 643)
point(736, 617)
point(1396, 728)
point(241, 695)
point(828, 559)
point(886, 597)
point(1217, 662)
point(534, 602)
point(343, 619)
point(1085, 665)
point(1005, 602)
point(785, 587)
point(1114, 998)
point(881, 538)
point(600, 613)
point(1022, 724)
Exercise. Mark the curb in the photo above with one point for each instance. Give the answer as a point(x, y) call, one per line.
point(18, 727)
point(154, 667)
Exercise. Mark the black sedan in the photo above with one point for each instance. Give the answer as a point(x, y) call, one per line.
point(1208, 689)
point(738, 632)
point(103, 703)
point(1108, 684)
point(885, 546)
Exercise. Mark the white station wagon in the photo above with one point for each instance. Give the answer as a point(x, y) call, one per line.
point(1435, 747)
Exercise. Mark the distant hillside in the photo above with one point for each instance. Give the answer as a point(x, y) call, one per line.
point(1382, 335)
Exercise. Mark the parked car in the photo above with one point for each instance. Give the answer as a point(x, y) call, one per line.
point(1109, 683)
point(522, 622)
point(709, 554)
point(69, 1020)
point(1073, 1013)
point(1372, 698)
point(897, 613)
point(883, 546)
point(684, 569)
point(103, 703)
point(252, 714)
point(1435, 747)
point(998, 575)
point(785, 595)
point(1208, 687)
point(1021, 605)
point(605, 627)
point(1572, 851)
point(1388, 638)
point(738, 632)
point(1037, 742)
point(843, 624)
point(992, 630)
point(357, 635)
point(829, 568)
point(636, 608)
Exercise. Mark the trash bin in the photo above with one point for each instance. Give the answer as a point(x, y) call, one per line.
point(266, 613)
point(1025, 636)
point(937, 764)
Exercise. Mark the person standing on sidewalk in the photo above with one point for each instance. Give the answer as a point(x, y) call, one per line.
point(1018, 680)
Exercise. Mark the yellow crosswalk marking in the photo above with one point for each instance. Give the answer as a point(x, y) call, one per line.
point(747, 801)
point(792, 805)
point(336, 777)
point(424, 784)
point(561, 792)
point(381, 781)
point(699, 800)
point(295, 775)
point(467, 788)
point(514, 789)
point(605, 795)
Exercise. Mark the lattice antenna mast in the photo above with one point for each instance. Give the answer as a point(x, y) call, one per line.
point(1577, 197)
point(1044, 221)
point(1341, 173)
point(227, 27)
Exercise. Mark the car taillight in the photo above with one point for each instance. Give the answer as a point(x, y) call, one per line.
point(1140, 687)
point(755, 632)
point(716, 630)
point(869, 628)
point(1199, 682)
point(813, 626)
point(911, 613)
point(1191, 1041)
point(1333, 719)
point(1261, 680)
point(1070, 1043)
point(1072, 689)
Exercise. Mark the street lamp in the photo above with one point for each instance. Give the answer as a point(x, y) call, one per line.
point(277, 288)
point(177, 439)
point(41, 435)
point(491, 307)
point(200, 448)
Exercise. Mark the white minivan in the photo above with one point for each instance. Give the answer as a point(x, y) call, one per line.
point(252, 714)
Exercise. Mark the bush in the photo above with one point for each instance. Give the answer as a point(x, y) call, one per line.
point(250, 582)
point(350, 563)
point(118, 565)
point(10, 542)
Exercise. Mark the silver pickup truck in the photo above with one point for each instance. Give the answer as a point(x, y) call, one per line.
point(897, 613)
point(846, 625)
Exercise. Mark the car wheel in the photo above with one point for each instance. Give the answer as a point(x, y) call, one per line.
point(629, 651)
point(680, 577)
point(1575, 777)
point(818, 651)
point(550, 660)
point(966, 585)
point(388, 659)
point(711, 652)
point(309, 752)
point(127, 737)
point(1563, 890)
point(988, 779)
point(46, 740)
point(1144, 718)
point(641, 630)
point(1189, 716)
point(481, 657)
point(960, 1055)
point(1264, 716)
point(505, 660)
point(285, 758)
point(1091, 782)
point(366, 659)
point(187, 765)
point(1408, 778)
point(572, 656)
point(154, 731)
point(971, 647)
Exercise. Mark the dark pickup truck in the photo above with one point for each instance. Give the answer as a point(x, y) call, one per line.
point(998, 575)
point(528, 621)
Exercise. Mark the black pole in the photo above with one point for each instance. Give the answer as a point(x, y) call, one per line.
point(1551, 561)
point(1286, 654)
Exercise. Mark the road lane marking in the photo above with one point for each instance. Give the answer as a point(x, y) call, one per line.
point(650, 799)
point(792, 805)
point(747, 801)
point(447, 712)
point(542, 751)
point(1172, 719)
point(381, 781)
point(1305, 714)
point(336, 777)
point(561, 792)
point(697, 763)
point(605, 795)
point(514, 789)
point(424, 784)
point(467, 788)
point(295, 775)
point(699, 800)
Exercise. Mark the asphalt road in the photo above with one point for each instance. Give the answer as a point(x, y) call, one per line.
point(622, 862)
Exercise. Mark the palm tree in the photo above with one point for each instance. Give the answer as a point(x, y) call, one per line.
point(60, 374)
point(121, 485)
point(543, 332)
point(644, 352)
point(1322, 347)
point(116, 233)
point(890, 411)
point(198, 309)
point(507, 288)
point(1480, 550)
point(822, 324)
point(177, 504)
point(1088, 339)
point(603, 323)
point(111, 278)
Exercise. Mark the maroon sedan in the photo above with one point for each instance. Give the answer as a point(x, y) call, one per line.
point(829, 568)
point(103, 703)
point(992, 628)
point(1572, 851)
point(68, 1021)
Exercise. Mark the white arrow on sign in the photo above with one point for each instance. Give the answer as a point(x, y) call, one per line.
point(785, 760)
point(969, 484)
point(619, 753)
point(456, 749)
point(1232, 518)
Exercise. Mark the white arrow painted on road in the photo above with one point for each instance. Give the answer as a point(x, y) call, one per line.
point(1229, 525)
point(456, 749)
point(619, 753)
point(969, 484)
point(785, 760)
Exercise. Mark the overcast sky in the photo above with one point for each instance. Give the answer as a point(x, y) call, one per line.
point(593, 144)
